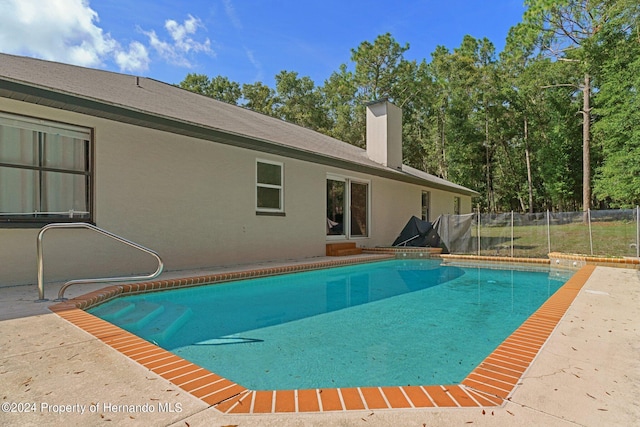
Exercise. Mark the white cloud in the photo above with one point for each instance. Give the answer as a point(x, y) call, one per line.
point(182, 42)
point(69, 31)
point(64, 30)
point(135, 59)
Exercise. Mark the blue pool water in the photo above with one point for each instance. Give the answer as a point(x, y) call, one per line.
point(387, 323)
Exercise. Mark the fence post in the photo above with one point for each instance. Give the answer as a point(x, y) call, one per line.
point(590, 234)
point(548, 232)
point(478, 230)
point(511, 234)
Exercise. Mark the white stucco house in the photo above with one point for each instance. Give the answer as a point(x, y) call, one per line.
point(201, 182)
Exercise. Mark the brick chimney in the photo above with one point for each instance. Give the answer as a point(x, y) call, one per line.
point(384, 133)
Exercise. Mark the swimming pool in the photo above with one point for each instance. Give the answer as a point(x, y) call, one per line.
point(389, 323)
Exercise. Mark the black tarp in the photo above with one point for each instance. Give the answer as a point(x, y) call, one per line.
point(418, 233)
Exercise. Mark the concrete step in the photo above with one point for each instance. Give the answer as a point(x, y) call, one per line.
point(167, 323)
point(342, 249)
point(350, 251)
point(113, 309)
point(143, 313)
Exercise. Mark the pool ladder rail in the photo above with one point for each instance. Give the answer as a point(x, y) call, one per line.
point(85, 281)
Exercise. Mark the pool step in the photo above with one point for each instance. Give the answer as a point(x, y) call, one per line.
point(114, 309)
point(167, 323)
point(143, 313)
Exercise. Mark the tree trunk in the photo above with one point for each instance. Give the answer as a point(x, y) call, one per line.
point(528, 159)
point(586, 141)
point(443, 152)
point(490, 204)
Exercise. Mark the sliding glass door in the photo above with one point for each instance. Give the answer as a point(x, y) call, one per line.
point(347, 207)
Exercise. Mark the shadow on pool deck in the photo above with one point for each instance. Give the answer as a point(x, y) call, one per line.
point(588, 373)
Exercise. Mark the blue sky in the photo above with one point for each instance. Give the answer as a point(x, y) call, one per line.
point(244, 40)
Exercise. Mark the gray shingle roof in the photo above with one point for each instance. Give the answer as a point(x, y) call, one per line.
point(151, 103)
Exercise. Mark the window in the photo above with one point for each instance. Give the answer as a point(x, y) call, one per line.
point(456, 205)
point(347, 207)
point(45, 172)
point(269, 187)
point(426, 202)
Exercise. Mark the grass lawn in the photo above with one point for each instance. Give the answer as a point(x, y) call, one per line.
point(611, 238)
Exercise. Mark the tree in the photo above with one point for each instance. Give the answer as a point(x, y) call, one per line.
point(198, 83)
point(568, 29)
point(489, 109)
point(220, 88)
point(299, 101)
point(376, 67)
point(470, 117)
point(618, 126)
point(414, 94)
point(524, 73)
point(377, 70)
point(343, 111)
point(559, 152)
point(441, 74)
point(259, 97)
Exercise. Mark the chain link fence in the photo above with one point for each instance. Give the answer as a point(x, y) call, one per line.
point(611, 233)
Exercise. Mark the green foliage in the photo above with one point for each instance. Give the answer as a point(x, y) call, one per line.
point(344, 113)
point(299, 101)
point(377, 66)
point(198, 83)
point(220, 87)
point(618, 126)
point(259, 97)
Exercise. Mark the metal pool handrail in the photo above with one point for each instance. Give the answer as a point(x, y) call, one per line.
point(79, 281)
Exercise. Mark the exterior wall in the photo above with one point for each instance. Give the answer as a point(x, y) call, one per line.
point(193, 202)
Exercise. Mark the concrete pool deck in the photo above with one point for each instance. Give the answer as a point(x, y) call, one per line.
point(587, 373)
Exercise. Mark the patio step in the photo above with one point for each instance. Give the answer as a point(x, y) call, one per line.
point(113, 310)
point(342, 249)
point(143, 313)
point(167, 323)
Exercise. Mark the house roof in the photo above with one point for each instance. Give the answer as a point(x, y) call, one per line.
point(154, 104)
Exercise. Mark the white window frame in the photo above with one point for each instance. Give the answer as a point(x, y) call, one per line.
point(347, 214)
point(280, 187)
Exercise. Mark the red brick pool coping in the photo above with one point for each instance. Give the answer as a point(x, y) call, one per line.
point(489, 384)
